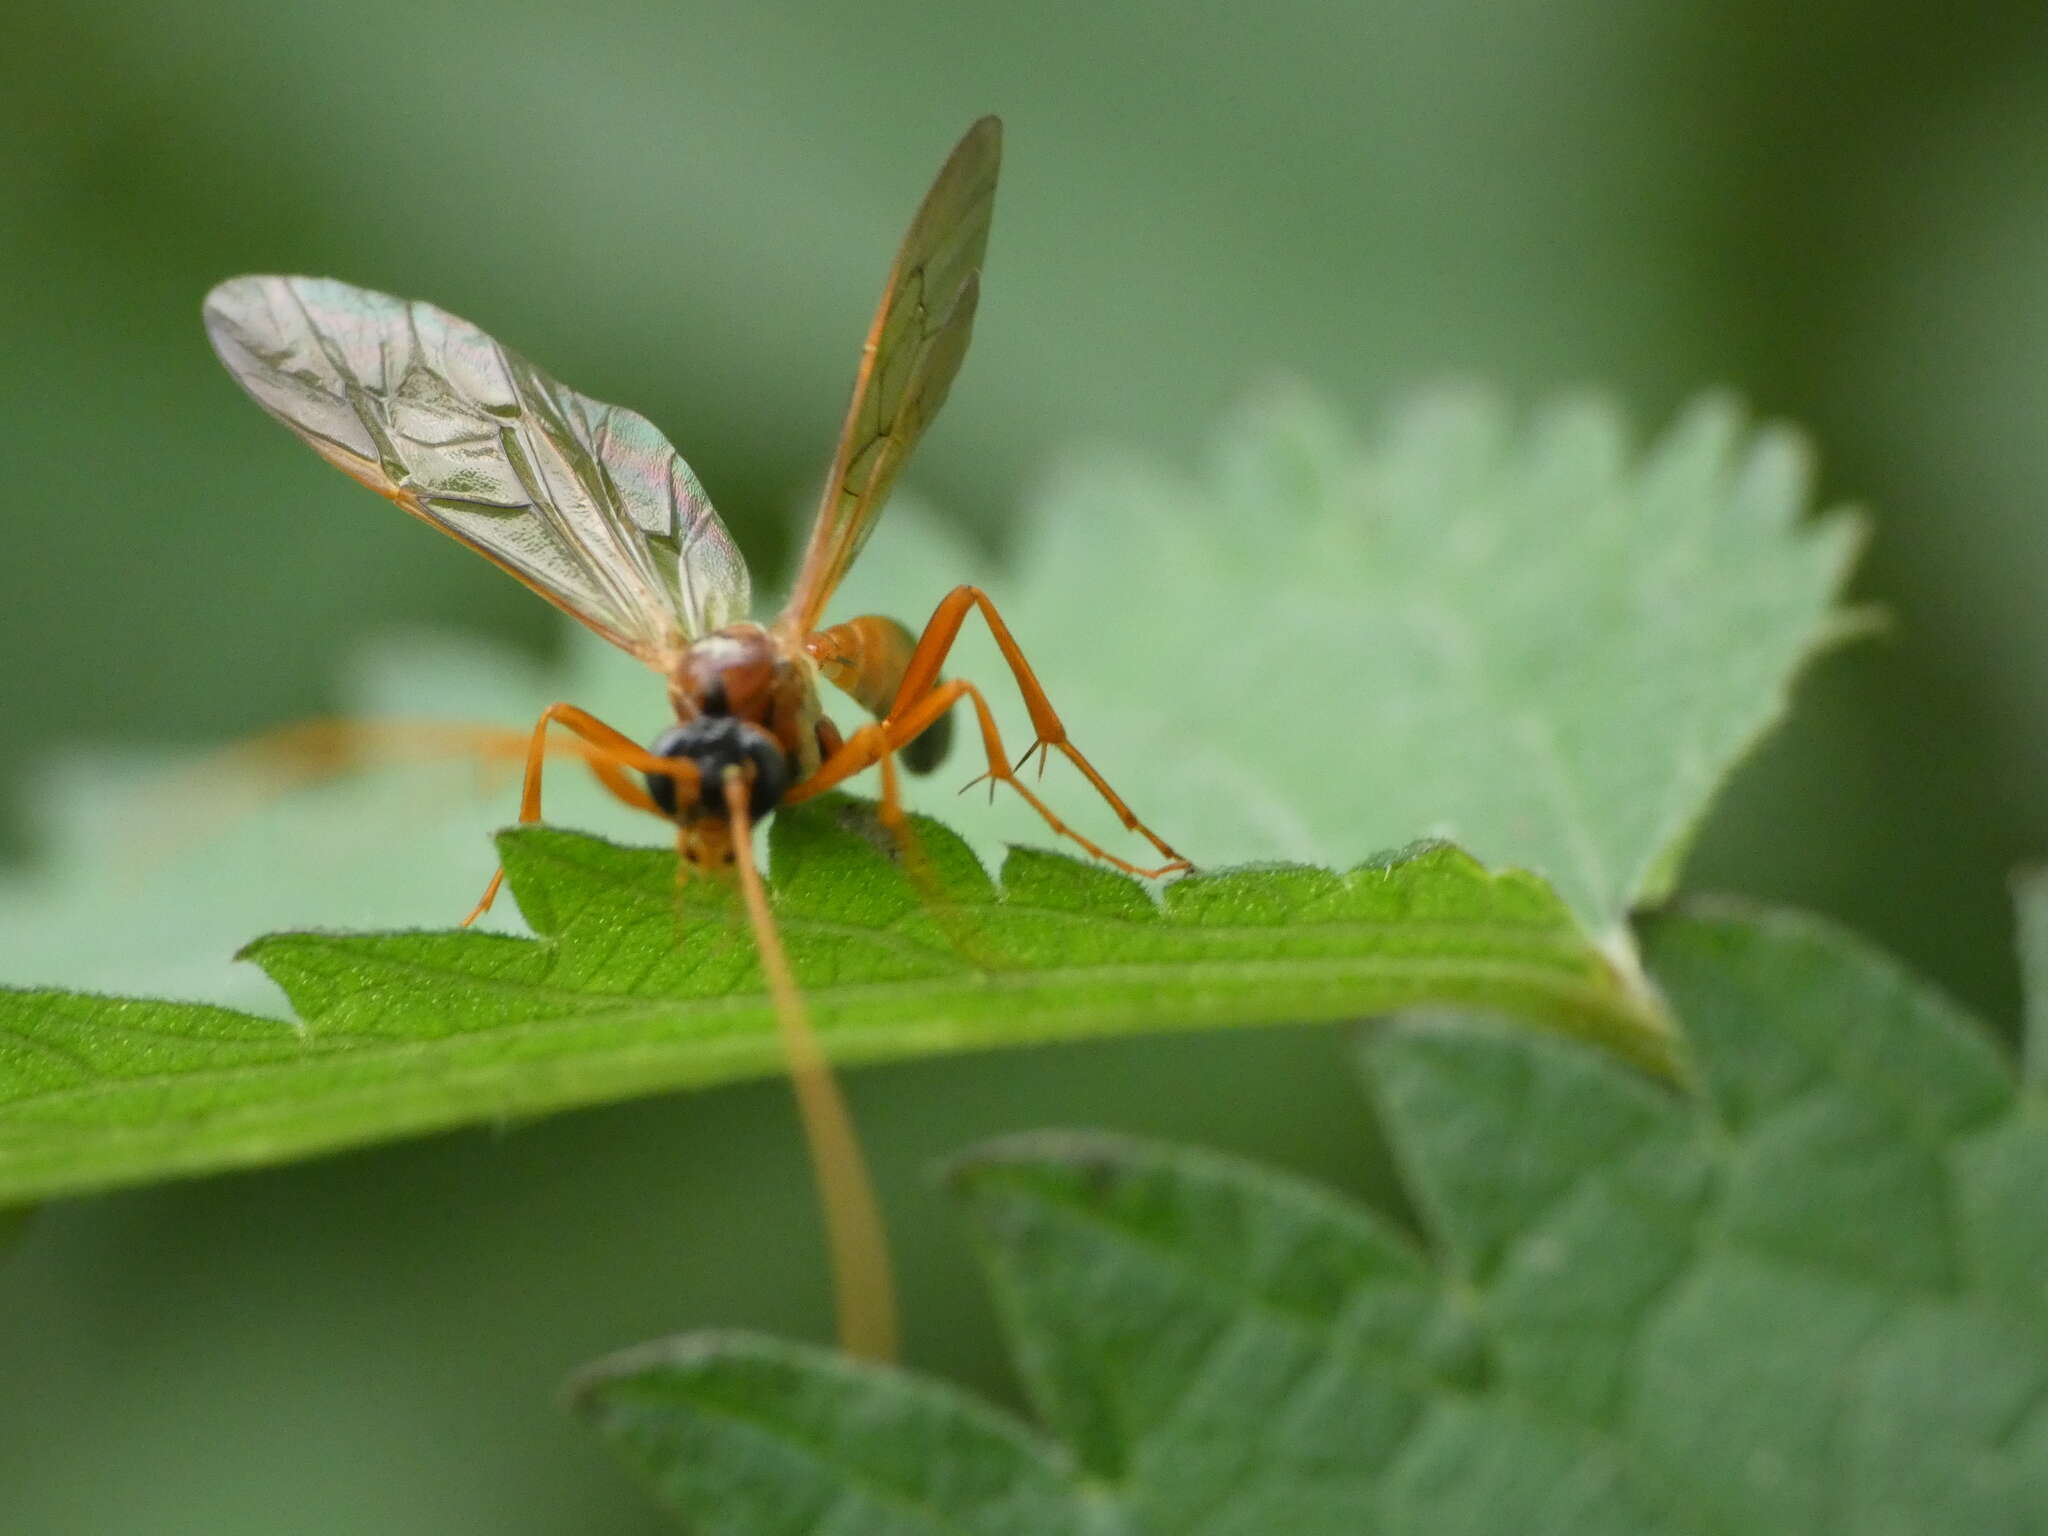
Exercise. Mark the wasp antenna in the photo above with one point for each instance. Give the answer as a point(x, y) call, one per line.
point(864, 1293)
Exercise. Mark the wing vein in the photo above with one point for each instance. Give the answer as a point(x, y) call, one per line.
point(908, 364)
point(580, 500)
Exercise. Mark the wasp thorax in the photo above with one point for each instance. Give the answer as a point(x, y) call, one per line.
point(715, 743)
point(731, 672)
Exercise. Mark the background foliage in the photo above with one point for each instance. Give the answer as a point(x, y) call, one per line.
point(1804, 1298)
point(1836, 215)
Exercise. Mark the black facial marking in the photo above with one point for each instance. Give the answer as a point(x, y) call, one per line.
point(715, 743)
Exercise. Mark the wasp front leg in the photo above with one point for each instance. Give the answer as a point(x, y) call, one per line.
point(607, 752)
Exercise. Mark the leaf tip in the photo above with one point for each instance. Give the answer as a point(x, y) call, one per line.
point(1093, 1155)
point(589, 1391)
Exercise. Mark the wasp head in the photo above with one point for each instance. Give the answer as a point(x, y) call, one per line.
point(712, 744)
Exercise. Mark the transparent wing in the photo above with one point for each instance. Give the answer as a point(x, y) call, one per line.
point(913, 351)
point(584, 502)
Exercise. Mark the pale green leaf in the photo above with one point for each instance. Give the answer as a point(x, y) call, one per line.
point(1533, 637)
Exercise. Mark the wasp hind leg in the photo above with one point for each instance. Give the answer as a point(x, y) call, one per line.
point(868, 745)
point(862, 657)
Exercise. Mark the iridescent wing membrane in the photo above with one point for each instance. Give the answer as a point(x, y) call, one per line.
point(584, 502)
point(913, 351)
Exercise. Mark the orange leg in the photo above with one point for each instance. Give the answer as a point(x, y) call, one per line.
point(908, 849)
point(892, 803)
point(317, 751)
point(872, 744)
point(921, 683)
point(923, 671)
point(896, 820)
point(609, 755)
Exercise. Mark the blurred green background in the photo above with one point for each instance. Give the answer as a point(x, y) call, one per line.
point(1841, 212)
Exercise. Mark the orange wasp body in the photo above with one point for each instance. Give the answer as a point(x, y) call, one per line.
point(589, 505)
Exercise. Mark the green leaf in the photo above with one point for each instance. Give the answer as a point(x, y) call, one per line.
point(1534, 638)
point(1808, 1297)
point(635, 985)
point(2030, 896)
point(846, 1448)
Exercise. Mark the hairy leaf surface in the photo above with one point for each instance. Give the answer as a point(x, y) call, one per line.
point(633, 985)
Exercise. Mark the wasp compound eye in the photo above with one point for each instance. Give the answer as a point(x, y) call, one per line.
point(715, 743)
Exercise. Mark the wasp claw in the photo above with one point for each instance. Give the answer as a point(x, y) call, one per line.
point(1037, 750)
